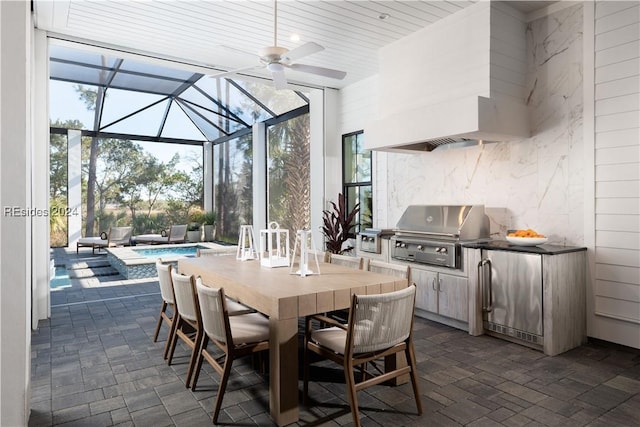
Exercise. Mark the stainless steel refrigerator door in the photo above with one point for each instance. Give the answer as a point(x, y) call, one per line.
point(516, 297)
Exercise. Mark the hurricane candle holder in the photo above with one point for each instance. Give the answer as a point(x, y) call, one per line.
point(274, 246)
point(246, 248)
point(303, 247)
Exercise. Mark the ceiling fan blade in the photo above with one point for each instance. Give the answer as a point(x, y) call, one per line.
point(304, 50)
point(320, 71)
point(236, 71)
point(279, 79)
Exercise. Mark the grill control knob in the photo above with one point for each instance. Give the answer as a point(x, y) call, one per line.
point(442, 250)
point(398, 244)
point(420, 247)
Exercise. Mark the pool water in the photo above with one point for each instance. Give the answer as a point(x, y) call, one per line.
point(178, 251)
point(60, 279)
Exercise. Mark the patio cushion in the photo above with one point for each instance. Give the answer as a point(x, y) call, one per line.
point(97, 240)
point(155, 238)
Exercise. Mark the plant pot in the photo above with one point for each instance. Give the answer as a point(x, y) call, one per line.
point(193, 236)
point(207, 234)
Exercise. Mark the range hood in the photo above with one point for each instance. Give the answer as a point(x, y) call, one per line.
point(457, 123)
point(457, 82)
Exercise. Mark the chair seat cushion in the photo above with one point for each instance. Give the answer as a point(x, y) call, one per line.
point(333, 338)
point(151, 238)
point(249, 328)
point(93, 241)
point(235, 307)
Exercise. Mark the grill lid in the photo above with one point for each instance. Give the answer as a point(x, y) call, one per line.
point(465, 222)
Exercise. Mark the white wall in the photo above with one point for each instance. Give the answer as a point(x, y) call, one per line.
point(557, 182)
point(15, 231)
point(615, 76)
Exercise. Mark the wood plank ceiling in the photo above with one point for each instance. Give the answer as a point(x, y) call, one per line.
point(227, 34)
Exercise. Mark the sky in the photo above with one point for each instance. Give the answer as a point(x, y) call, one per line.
point(65, 105)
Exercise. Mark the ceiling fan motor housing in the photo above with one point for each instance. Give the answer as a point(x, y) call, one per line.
point(272, 54)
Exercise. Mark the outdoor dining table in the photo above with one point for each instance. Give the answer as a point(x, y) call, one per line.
point(285, 297)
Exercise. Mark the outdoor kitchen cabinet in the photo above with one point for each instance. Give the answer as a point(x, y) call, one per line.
point(441, 294)
point(562, 294)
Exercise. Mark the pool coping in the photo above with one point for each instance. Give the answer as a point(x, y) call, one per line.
point(125, 259)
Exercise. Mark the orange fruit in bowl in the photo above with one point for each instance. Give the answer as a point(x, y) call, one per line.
point(526, 233)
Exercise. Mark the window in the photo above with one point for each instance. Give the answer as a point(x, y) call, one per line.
point(288, 183)
point(233, 188)
point(356, 173)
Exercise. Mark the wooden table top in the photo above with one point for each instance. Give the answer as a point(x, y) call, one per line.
point(278, 293)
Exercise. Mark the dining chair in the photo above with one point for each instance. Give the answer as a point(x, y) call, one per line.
point(233, 306)
point(347, 261)
point(402, 271)
point(168, 301)
point(237, 336)
point(379, 325)
point(188, 322)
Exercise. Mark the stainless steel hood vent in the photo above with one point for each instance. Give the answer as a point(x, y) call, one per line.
point(444, 143)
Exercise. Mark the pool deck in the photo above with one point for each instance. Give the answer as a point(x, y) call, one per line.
point(133, 265)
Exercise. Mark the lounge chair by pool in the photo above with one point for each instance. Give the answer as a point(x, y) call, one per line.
point(176, 234)
point(117, 236)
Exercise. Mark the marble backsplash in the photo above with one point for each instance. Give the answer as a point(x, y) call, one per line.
point(536, 182)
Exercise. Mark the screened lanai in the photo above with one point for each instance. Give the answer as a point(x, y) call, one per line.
point(123, 102)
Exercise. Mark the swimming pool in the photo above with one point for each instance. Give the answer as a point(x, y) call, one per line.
point(60, 278)
point(139, 262)
point(174, 251)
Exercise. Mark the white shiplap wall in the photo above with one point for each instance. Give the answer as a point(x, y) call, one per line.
point(616, 290)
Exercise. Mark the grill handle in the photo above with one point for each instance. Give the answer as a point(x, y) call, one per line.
point(486, 289)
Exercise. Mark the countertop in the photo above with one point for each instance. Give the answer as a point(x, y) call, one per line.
point(503, 245)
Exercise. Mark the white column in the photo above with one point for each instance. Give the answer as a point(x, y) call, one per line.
point(259, 177)
point(74, 185)
point(40, 178)
point(15, 225)
point(317, 166)
point(207, 175)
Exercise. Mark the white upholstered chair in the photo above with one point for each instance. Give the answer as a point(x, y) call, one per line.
point(236, 336)
point(378, 326)
point(347, 261)
point(168, 301)
point(187, 318)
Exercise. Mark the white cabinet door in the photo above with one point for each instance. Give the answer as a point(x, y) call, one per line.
point(426, 289)
point(453, 299)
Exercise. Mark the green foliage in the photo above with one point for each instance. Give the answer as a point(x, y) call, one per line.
point(337, 223)
point(155, 223)
point(209, 218)
point(58, 222)
point(196, 216)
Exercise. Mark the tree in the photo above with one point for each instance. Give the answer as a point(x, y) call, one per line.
point(93, 99)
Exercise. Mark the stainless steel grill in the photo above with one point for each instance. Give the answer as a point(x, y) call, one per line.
point(431, 234)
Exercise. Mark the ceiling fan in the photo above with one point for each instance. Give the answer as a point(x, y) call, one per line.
point(277, 58)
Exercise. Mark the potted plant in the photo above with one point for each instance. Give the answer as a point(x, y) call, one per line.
point(208, 222)
point(337, 223)
point(193, 227)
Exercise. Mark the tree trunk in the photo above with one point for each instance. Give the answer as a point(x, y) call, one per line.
point(91, 188)
point(93, 160)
